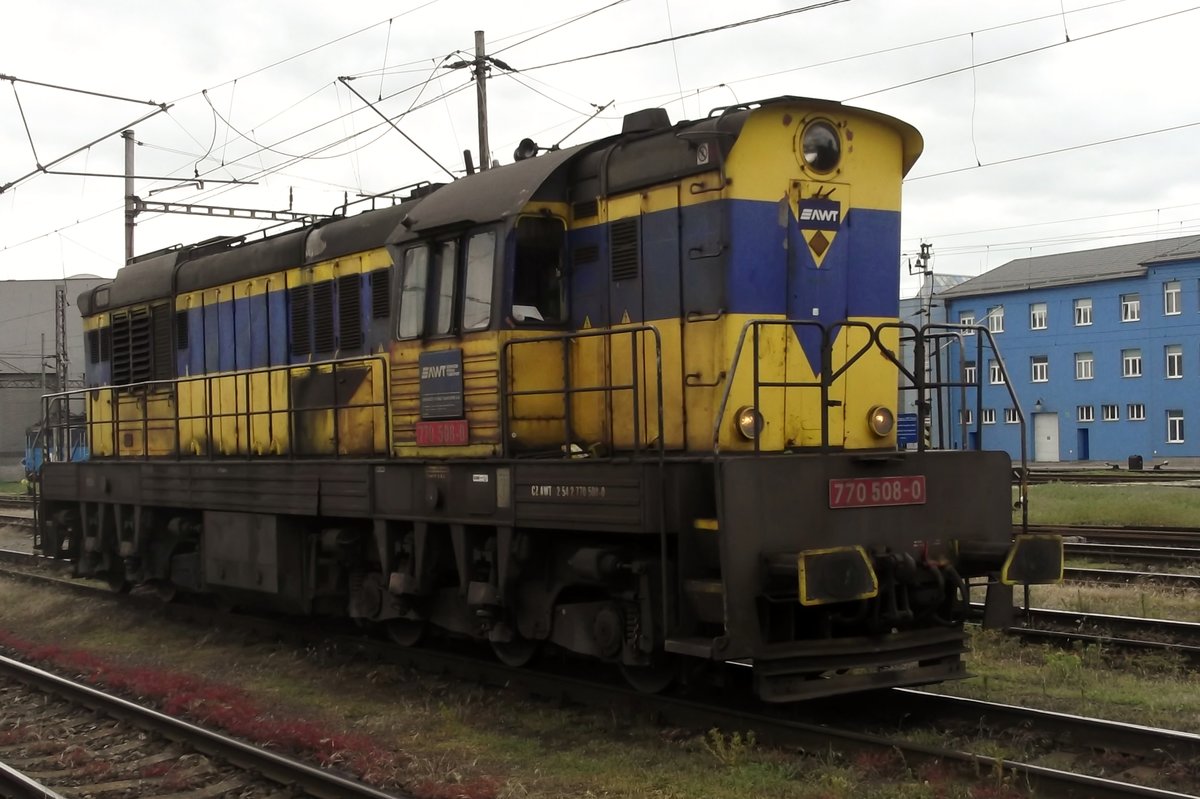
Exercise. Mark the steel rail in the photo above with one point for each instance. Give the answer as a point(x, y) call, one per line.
point(1123, 577)
point(1131, 552)
point(286, 771)
point(15, 785)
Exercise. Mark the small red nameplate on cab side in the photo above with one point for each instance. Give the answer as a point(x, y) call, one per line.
point(451, 433)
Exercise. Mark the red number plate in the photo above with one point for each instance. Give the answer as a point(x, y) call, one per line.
point(453, 433)
point(865, 492)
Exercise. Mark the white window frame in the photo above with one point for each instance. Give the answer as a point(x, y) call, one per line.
point(1131, 363)
point(1175, 427)
point(1084, 366)
point(1174, 358)
point(1136, 411)
point(1110, 413)
point(1011, 417)
point(966, 417)
point(967, 318)
point(1083, 312)
point(995, 376)
point(1039, 314)
point(995, 319)
point(1131, 307)
point(1039, 369)
point(1085, 413)
point(988, 416)
point(970, 373)
point(1172, 298)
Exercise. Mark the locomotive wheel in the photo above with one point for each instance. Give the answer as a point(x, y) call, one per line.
point(405, 632)
point(653, 678)
point(517, 652)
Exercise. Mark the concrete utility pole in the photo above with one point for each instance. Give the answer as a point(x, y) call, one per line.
point(61, 360)
point(485, 153)
point(130, 199)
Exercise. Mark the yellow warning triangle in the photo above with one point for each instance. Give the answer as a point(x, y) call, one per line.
point(587, 323)
point(625, 317)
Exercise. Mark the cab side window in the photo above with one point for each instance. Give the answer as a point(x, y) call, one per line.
point(477, 292)
point(459, 276)
point(539, 288)
point(412, 292)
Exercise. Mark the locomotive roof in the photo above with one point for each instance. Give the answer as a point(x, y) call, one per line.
point(486, 196)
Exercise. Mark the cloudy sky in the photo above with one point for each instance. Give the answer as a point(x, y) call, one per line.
point(1049, 125)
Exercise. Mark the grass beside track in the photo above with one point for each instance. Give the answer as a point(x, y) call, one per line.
point(1113, 505)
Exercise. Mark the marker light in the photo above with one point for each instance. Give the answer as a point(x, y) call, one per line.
point(881, 420)
point(821, 147)
point(749, 422)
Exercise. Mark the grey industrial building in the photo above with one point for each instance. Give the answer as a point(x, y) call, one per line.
point(28, 357)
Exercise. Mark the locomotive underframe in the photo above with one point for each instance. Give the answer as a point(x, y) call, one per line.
point(570, 552)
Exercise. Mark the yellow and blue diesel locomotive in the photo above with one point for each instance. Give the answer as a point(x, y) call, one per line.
point(634, 400)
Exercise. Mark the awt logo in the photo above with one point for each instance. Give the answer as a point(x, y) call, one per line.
point(818, 213)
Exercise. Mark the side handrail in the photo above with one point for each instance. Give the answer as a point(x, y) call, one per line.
point(636, 337)
point(244, 382)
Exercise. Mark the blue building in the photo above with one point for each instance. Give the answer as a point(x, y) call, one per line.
point(1101, 349)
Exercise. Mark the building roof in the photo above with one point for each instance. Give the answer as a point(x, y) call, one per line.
point(1085, 266)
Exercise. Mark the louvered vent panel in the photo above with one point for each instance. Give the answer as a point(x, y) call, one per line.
point(588, 253)
point(161, 366)
point(105, 343)
point(181, 330)
point(93, 346)
point(140, 346)
point(301, 312)
point(625, 249)
point(381, 293)
point(322, 310)
point(349, 312)
point(586, 209)
point(120, 348)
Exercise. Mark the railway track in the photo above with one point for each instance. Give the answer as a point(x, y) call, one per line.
point(818, 727)
point(1109, 476)
point(70, 740)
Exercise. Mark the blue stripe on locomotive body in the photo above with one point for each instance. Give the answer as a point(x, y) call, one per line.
point(735, 255)
point(277, 327)
point(227, 358)
point(241, 332)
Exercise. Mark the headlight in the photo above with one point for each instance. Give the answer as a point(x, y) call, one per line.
point(749, 422)
point(881, 420)
point(821, 147)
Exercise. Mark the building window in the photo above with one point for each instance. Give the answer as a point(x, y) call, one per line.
point(1175, 427)
point(1037, 316)
point(1172, 303)
point(970, 373)
point(1083, 312)
point(967, 318)
point(1011, 417)
point(1131, 307)
point(1083, 366)
point(1136, 412)
point(1131, 363)
point(988, 416)
point(995, 319)
point(995, 376)
point(1085, 413)
point(965, 416)
point(1110, 413)
point(1174, 354)
point(1039, 368)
